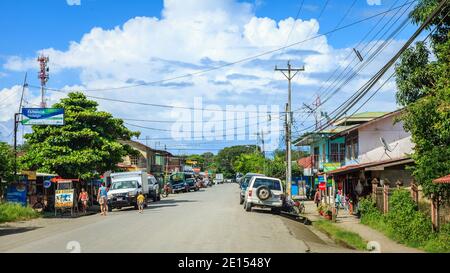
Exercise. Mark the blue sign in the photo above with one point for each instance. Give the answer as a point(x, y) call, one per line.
point(17, 193)
point(43, 116)
point(47, 184)
point(321, 178)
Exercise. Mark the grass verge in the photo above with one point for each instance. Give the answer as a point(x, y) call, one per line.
point(343, 237)
point(10, 212)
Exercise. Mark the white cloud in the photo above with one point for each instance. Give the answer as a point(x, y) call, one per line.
point(374, 2)
point(73, 2)
point(190, 36)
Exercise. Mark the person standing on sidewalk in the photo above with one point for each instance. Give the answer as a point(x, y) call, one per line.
point(103, 199)
point(317, 197)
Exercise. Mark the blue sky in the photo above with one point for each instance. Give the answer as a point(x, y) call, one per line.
point(110, 43)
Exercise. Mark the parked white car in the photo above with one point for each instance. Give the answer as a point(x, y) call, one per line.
point(264, 192)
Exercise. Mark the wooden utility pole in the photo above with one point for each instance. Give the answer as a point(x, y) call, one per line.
point(289, 73)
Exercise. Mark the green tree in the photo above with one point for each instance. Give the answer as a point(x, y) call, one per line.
point(424, 89)
point(87, 144)
point(226, 157)
point(6, 165)
point(249, 163)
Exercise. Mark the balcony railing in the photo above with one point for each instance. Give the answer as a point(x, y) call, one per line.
point(332, 158)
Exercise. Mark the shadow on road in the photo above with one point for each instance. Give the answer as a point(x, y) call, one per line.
point(14, 230)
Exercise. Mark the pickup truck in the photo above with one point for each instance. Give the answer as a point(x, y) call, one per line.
point(154, 191)
point(125, 188)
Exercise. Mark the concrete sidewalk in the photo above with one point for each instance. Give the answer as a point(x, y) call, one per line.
point(352, 223)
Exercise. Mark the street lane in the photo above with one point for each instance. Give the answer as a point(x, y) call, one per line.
point(210, 220)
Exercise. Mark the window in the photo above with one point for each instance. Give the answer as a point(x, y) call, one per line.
point(351, 145)
point(134, 160)
point(324, 153)
point(334, 155)
point(342, 152)
point(271, 184)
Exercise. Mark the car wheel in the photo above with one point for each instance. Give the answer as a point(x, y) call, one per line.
point(110, 208)
point(248, 207)
point(159, 197)
point(155, 198)
point(241, 200)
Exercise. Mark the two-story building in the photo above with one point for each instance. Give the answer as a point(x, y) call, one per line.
point(156, 162)
point(328, 148)
point(379, 149)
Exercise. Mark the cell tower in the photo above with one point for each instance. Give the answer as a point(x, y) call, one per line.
point(43, 76)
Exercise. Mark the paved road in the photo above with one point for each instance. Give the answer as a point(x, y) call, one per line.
point(210, 220)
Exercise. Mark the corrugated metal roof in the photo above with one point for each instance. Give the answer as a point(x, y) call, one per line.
point(442, 180)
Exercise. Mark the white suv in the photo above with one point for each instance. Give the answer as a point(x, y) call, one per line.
point(265, 192)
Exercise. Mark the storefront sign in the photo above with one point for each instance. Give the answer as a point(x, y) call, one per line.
point(328, 167)
point(30, 174)
point(47, 184)
point(17, 193)
point(43, 116)
point(64, 198)
point(321, 178)
point(322, 186)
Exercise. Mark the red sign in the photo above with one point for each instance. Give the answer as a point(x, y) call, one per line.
point(322, 186)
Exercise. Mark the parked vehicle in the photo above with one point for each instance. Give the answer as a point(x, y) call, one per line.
point(178, 182)
point(244, 184)
point(264, 192)
point(154, 191)
point(125, 188)
point(192, 183)
point(219, 178)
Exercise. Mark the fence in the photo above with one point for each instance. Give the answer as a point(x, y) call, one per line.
point(439, 215)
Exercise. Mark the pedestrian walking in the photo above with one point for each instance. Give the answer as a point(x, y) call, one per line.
point(317, 197)
point(103, 199)
point(84, 199)
point(140, 201)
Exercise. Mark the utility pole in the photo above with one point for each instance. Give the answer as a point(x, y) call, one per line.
point(16, 125)
point(43, 76)
point(289, 73)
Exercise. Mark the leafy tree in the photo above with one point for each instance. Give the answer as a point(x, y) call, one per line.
point(6, 165)
point(86, 144)
point(249, 163)
point(424, 89)
point(226, 157)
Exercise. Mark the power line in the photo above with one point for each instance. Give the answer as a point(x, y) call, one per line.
point(241, 60)
point(368, 60)
point(343, 108)
point(350, 54)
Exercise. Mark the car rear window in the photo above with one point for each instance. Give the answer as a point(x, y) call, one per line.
point(271, 184)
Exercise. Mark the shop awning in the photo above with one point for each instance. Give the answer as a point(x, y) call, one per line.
point(442, 180)
point(371, 166)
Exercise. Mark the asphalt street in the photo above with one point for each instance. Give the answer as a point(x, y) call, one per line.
point(210, 220)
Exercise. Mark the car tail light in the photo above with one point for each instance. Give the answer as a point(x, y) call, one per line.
point(250, 193)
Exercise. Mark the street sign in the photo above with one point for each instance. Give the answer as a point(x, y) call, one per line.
point(43, 116)
point(47, 184)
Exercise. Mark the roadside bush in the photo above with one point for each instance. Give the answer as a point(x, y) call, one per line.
point(10, 212)
point(440, 243)
point(405, 222)
point(371, 216)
